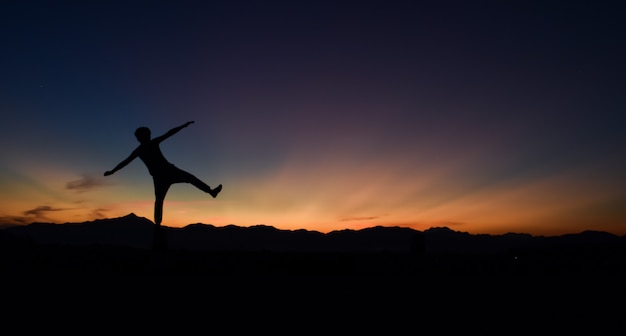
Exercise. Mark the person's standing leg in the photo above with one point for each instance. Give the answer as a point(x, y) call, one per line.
point(160, 190)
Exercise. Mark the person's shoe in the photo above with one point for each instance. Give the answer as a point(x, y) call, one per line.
point(216, 191)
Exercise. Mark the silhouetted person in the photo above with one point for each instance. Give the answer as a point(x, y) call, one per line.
point(164, 174)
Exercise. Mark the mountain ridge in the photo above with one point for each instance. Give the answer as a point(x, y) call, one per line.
point(124, 244)
point(135, 231)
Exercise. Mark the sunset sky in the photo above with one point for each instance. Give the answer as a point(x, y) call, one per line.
point(482, 116)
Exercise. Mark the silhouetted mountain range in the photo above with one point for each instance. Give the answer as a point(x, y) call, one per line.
point(129, 235)
point(136, 232)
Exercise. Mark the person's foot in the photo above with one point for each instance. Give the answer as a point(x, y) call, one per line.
point(216, 191)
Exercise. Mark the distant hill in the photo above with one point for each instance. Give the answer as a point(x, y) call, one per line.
point(124, 244)
point(136, 232)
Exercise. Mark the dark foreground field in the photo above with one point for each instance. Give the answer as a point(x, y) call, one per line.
point(112, 287)
point(34, 257)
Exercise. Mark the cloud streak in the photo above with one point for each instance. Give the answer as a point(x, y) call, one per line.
point(41, 211)
point(7, 221)
point(85, 183)
point(358, 218)
point(99, 213)
point(44, 213)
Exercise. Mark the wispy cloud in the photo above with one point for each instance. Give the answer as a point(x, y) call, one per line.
point(85, 183)
point(347, 219)
point(29, 216)
point(7, 221)
point(99, 213)
point(41, 211)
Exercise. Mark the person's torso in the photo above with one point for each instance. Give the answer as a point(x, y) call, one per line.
point(153, 158)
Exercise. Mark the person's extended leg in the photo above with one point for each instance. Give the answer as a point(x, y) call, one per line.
point(186, 177)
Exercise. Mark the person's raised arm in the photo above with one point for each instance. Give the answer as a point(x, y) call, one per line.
point(173, 131)
point(122, 164)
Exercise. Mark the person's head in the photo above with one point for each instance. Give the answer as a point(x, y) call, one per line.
point(142, 134)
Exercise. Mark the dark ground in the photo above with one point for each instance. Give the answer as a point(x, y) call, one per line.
point(113, 289)
point(121, 259)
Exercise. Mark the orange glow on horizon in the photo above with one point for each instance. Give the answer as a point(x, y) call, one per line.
point(302, 195)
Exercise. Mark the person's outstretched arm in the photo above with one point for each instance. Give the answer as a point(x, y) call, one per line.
point(122, 164)
point(172, 131)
